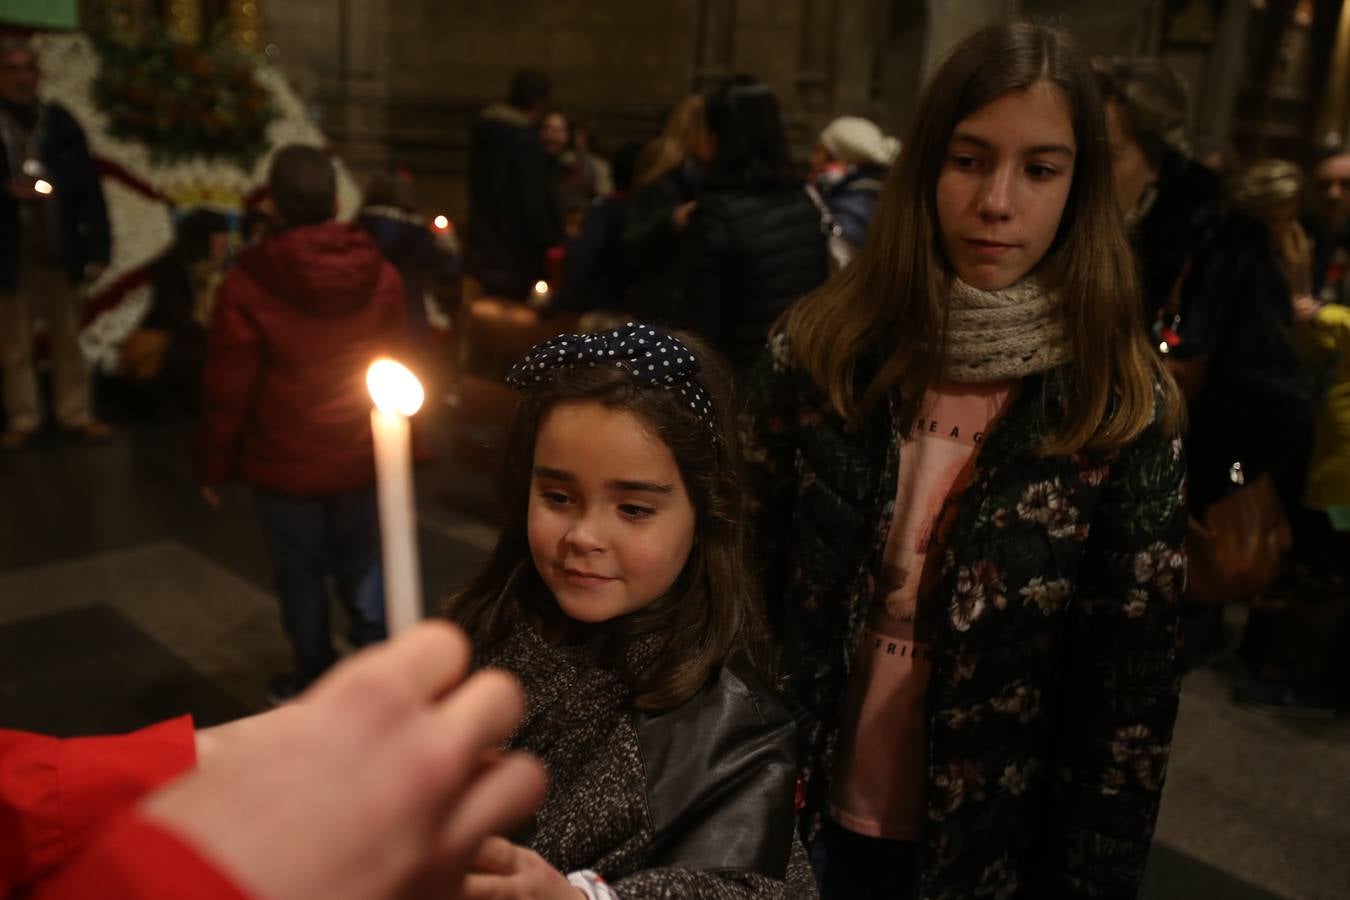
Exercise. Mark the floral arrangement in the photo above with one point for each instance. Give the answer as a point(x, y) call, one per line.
point(184, 101)
point(143, 187)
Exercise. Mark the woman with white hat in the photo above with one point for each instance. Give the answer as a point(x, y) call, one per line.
point(848, 168)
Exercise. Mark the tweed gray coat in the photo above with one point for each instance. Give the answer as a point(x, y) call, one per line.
point(693, 802)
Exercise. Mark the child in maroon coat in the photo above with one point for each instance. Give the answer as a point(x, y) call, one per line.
point(298, 320)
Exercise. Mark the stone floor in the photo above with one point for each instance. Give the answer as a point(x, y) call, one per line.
point(124, 599)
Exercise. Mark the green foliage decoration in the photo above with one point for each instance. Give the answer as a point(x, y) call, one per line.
point(183, 101)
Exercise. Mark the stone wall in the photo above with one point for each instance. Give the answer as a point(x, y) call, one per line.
point(400, 81)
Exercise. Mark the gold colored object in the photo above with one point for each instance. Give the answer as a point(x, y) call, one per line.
point(246, 24)
point(185, 20)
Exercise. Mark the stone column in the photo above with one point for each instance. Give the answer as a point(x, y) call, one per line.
point(951, 20)
point(1333, 120)
point(714, 41)
point(246, 24)
point(363, 83)
point(815, 61)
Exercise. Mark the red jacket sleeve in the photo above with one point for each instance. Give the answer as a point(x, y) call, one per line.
point(54, 794)
point(230, 379)
point(138, 860)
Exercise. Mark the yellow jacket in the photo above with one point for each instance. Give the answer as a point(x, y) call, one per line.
point(1325, 343)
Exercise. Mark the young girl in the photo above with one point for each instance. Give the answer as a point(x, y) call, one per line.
point(972, 508)
point(621, 596)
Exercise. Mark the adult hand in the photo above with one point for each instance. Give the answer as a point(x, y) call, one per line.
point(503, 871)
point(211, 495)
point(381, 781)
point(682, 213)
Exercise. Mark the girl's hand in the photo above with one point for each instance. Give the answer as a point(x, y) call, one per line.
point(503, 871)
point(1305, 308)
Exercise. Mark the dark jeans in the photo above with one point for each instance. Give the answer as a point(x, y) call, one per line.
point(851, 866)
point(309, 539)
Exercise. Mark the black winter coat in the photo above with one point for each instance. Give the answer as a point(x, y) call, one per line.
point(513, 218)
point(596, 274)
point(1254, 406)
point(652, 243)
point(1056, 611)
point(748, 255)
point(81, 213)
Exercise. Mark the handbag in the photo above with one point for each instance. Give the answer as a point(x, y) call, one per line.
point(1240, 547)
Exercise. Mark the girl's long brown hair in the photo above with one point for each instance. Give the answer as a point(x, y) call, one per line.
point(685, 133)
point(711, 611)
point(891, 302)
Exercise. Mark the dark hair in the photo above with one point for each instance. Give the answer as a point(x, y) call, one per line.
point(752, 151)
point(303, 185)
point(711, 611)
point(192, 234)
point(1153, 102)
point(891, 302)
point(529, 88)
point(391, 188)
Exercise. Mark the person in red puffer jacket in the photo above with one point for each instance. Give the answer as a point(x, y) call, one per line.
point(298, 320)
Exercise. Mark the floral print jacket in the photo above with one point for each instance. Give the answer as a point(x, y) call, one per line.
point(1054, 684)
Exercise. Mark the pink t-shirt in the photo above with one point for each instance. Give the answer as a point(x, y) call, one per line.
point(879, 780)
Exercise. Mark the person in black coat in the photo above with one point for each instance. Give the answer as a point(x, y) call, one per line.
point(1218, 302)
point(54, 236)
point(667, 179)
point(513, 217)
point(596, 271)
point(1212, 280)
point(754, 243)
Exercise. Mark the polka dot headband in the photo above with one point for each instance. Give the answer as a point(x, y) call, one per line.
point(650, 355)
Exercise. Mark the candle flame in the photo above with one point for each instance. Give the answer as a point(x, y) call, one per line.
point(541, 287)
point(393, 388)
point(42, 187)
point(441, 222)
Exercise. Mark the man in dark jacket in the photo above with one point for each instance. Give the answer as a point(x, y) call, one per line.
point(298, 319)
point(1329, 227)
point(53, 237)
point(513, 217)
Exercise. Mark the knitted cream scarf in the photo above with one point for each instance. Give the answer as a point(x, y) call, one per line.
point(1009, 333)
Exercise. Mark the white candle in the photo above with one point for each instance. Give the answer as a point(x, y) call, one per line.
point(397, 395)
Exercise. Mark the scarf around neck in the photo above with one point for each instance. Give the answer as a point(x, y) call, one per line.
point(1008, 333)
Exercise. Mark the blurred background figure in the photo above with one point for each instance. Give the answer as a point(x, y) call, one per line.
point(1297, 651)
point(596, 270)
point(513, 213)
point(1269, 191)
point(54, 241)
point(1217, 297)
point(163, 358)
point(1328, 225)
point(755, 242)
point(579, 176)
point(667, 177)
point(390, 216)
point(848, 167)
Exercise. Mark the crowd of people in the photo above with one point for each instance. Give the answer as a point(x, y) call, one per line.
point(854, 565)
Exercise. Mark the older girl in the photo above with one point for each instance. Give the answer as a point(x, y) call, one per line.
point(972, 508)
